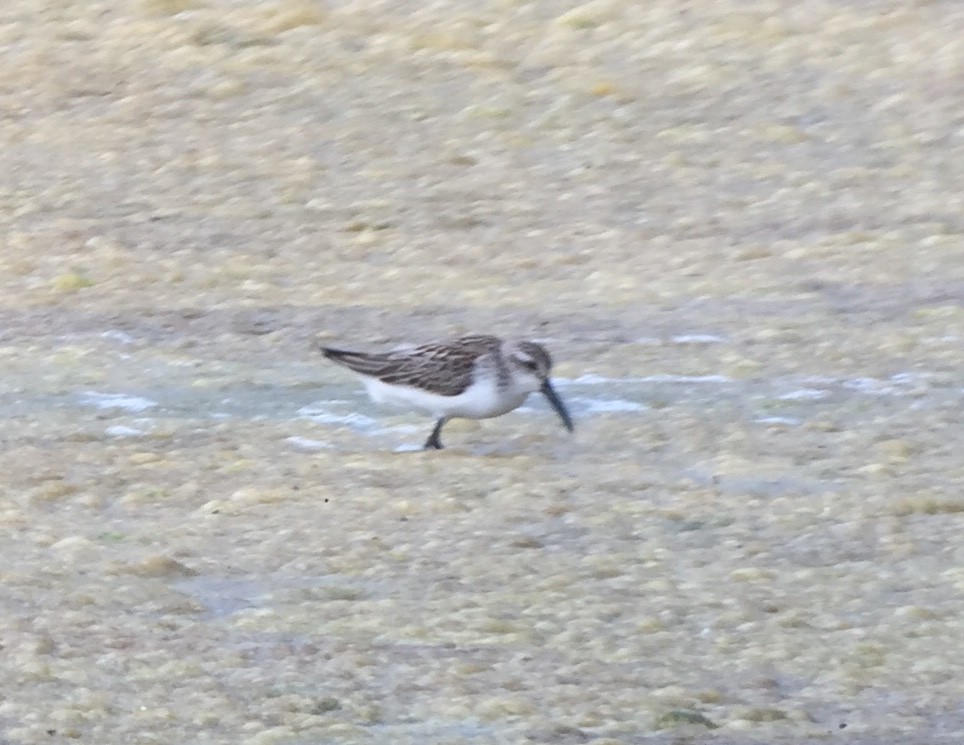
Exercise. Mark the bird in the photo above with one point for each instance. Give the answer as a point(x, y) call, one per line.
point(476, 376)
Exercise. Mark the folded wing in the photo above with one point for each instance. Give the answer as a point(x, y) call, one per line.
point(443, 368)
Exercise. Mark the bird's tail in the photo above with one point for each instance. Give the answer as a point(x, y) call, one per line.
point(360, 362)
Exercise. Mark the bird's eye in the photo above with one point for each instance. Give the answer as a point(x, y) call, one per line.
point(530, 365)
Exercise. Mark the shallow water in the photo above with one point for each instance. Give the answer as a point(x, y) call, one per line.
point(774, 549)
point(789, 401)
point(768, 550)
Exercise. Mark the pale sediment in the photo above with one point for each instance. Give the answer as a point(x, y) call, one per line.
point(751, 211)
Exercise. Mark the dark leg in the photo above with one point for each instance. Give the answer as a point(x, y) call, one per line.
point(433, 441)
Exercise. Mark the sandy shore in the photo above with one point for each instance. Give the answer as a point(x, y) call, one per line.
point(746, 219)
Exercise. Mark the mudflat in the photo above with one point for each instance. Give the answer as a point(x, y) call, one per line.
point(737, 226)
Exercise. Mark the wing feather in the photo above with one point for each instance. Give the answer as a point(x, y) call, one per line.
point(440, 367)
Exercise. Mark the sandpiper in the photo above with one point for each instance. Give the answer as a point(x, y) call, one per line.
point(472, 377)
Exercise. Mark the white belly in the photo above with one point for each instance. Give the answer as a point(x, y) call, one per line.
point(481, 400)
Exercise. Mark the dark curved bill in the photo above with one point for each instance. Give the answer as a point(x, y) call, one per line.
point(550, 393)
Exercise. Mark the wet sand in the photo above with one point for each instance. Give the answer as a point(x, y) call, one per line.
point(738, 226)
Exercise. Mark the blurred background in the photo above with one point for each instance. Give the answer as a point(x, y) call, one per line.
point(739, 228)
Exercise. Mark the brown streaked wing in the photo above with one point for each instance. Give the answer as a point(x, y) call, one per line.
point(440, 367)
